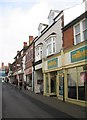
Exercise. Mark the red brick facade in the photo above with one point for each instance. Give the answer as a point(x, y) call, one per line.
point(68, 38)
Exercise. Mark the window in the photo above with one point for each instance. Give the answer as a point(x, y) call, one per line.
point(61, 82)
point(72, 83)
point(84, 24)
point(51, 47)
point(77, 34)
point(80, 31)
point(38, 52)
point(81, 87)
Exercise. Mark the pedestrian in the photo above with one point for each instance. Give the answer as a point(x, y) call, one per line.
point(25, 85)
point(16, 82)
point(20, 83)
point(41, 87)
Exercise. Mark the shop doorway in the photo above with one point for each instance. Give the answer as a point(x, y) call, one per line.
point(53, 82)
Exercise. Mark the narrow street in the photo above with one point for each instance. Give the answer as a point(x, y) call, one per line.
point(16, 104)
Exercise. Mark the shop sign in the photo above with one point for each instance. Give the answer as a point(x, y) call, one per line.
point(53, 63)
point(79, 54)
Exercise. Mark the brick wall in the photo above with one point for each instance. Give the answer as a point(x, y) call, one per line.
point(68, 38)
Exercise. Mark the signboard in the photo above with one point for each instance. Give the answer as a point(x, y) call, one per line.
point(53, 63)
point(79, 54)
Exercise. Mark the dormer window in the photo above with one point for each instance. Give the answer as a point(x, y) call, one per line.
point(41, 27)
point(52, 15)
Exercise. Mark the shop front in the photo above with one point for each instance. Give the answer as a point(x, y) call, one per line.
point(51, 77)
point(76, 75)
point(67, 80)
point(28, 73)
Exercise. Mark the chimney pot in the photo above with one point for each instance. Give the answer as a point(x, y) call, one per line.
point(25, 44)
point(30, 39)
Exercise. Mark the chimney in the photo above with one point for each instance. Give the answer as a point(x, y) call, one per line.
point(24, 44)
point(30, 39)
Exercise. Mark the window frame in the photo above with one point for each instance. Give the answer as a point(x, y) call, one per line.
point(52, 40)
point(39, 50)
point(81, 31)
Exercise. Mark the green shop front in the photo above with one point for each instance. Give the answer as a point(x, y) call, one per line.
point(76, 74)
point(65, 75)
point(53, 77)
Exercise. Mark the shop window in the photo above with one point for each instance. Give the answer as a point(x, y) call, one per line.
point(47, 83)
point(81, 79)
point(72, 83)
point(60, 83)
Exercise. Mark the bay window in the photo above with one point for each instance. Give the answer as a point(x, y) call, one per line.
point(50, 45)
point(38, 52)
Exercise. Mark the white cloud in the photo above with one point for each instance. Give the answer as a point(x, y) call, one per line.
point(16, 24)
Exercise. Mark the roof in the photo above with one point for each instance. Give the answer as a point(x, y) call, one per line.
point(84, 15)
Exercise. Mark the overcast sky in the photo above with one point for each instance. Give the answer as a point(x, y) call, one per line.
point(20, 18)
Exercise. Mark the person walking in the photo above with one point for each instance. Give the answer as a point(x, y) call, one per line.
point(25, 85)
point(20, 84)
point(16, 82)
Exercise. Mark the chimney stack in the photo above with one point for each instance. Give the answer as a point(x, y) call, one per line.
point(24, 44)
point(18, 51)
point(30, 39)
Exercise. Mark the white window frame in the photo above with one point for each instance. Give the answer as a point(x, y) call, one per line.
point(83, 29)
point(81, 32)
point(50, 41)
point(38, 52)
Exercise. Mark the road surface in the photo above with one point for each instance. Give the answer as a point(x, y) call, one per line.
point(17, 104)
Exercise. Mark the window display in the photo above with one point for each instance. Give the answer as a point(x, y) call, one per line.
point(72, 83)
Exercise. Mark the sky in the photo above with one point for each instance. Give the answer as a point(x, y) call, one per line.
point(20, 18)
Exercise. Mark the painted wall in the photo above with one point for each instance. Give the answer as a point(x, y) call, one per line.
point(73, 12)
point(55, 28)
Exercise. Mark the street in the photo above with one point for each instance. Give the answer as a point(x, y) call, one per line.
point(16, 104)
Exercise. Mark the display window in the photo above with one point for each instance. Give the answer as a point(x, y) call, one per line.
point(81, 83)
point(76, 78)
point(61, 83)
point(47, 83)
point(72, 83)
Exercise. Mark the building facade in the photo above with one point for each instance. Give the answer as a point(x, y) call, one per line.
point(29, 58)
point(75, 34)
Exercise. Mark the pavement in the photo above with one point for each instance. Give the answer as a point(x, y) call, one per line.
point(75, 111)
